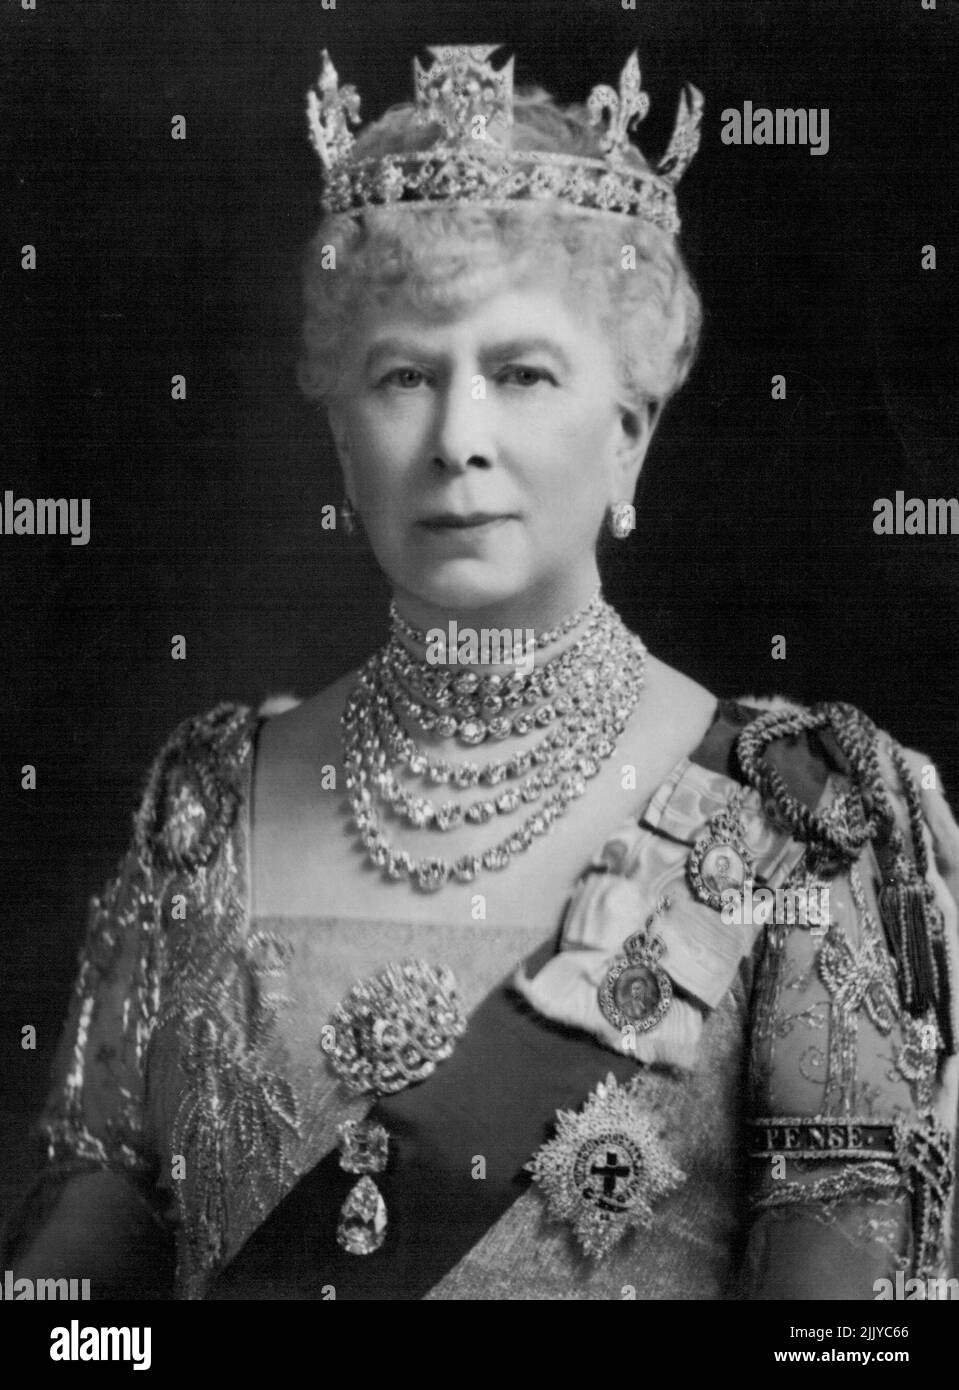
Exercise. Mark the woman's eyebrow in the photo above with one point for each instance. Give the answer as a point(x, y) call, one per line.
point(391, 347)
point(523, 347)
point(495, 352)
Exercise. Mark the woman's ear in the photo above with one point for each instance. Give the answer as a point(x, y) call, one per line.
point(637, 424)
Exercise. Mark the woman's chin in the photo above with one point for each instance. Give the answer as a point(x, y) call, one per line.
point(466, 585)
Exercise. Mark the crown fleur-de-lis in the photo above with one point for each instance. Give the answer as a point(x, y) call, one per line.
point(686, 136)
point(463, 93)
point(471, 104)
point(329, 113)
point(625, 109)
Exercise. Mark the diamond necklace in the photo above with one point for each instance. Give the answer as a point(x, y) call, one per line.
point(587, 739)
point(498, 715)
point(402, 750)
point(542, 639)
point(579, 734)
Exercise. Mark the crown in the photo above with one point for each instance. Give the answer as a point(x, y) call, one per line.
point(472, 160)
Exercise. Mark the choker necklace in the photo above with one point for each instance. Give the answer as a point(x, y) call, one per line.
point(493, 709)
point(401, 628)
point(604, 682)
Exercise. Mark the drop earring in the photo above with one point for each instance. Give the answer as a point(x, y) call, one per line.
point(621, 519)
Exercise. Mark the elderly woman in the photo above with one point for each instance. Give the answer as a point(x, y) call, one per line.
point(548, 977)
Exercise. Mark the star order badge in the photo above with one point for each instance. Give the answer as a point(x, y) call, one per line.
point(604, 1168)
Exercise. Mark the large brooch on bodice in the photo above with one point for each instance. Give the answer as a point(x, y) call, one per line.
point(391, 1031)
point(393, 1028)
point(605, 1168)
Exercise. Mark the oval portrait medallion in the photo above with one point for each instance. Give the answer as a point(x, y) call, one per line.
point(715, 866)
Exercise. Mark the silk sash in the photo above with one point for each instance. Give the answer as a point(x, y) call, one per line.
point(494, 1099)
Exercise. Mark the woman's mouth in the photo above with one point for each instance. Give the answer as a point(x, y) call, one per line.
point(465, 521)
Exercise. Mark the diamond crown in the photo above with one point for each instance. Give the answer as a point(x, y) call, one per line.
point(472, 160)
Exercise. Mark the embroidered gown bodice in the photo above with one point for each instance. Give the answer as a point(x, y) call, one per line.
point(195, 1063)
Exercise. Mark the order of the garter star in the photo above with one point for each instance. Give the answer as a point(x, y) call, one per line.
point(604, 1168)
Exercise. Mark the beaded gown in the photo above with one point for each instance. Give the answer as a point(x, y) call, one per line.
point(193, 1063)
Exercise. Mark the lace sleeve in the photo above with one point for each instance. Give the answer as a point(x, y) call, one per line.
point(94, 1116)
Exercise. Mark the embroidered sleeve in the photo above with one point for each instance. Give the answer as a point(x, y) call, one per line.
point(94, 1115)
point(96, 1112)
point(852, 1083)
point(102, 1113)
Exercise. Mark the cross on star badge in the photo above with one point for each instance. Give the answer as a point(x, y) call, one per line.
point(604, 1168)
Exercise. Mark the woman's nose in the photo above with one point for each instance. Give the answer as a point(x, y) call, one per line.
point(463, 427)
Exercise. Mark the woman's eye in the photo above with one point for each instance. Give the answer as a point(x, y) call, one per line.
point(525, 376)
point(406, 377)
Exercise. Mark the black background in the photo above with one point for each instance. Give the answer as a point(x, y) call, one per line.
point(159, 257)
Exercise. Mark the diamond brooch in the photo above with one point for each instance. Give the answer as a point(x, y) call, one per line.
point(391, 1030)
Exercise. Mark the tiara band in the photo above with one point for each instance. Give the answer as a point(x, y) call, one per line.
point(472, 160)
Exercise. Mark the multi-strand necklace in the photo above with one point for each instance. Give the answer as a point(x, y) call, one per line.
point(584, 698)
point(473, 709)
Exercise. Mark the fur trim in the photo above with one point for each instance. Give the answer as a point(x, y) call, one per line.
point(278, 704)
point(770, 702)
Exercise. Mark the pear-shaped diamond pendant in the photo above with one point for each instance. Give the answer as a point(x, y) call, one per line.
point(362, 1224)
point(364, 1148)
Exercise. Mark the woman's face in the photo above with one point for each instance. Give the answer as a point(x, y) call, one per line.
point(482, 449)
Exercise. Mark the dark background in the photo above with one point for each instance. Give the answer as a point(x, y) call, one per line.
point(158, 257)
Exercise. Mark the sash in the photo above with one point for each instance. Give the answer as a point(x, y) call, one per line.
point(495, 1098)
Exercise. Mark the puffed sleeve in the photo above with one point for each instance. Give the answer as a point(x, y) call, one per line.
point(93, 1210)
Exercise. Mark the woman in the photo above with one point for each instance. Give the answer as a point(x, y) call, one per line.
point(463, 980)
